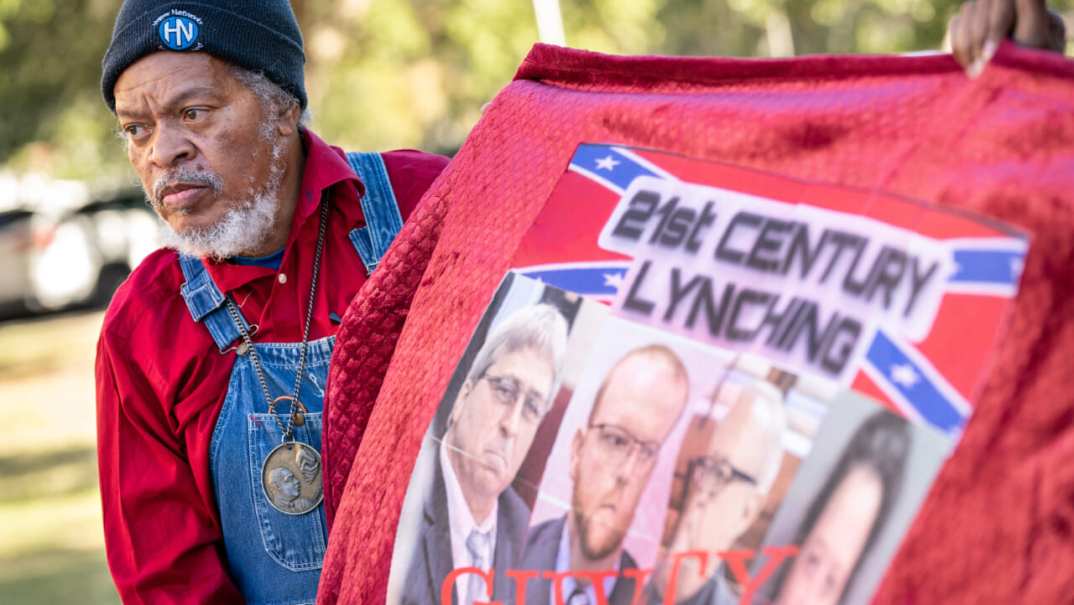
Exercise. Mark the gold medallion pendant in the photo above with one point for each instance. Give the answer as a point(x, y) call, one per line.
point(291, 478)
point(291, 473)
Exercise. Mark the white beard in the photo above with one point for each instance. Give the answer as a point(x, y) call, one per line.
point(243, 228)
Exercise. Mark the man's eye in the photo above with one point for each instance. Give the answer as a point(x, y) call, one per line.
point(133, 131)
point(193, 113)
point(505, 393)
point(533, 410)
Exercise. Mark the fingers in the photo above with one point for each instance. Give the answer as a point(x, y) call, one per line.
point(980, 32)
point(1033, 24)
point(1001, 18)
point(970, 31)
point(960, 34)
point(1057, 33)
point(979, 28)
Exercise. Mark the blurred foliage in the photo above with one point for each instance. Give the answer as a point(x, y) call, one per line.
point(398, 73)
point(50, 55)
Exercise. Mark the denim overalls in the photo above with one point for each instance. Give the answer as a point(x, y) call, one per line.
point(276, 558)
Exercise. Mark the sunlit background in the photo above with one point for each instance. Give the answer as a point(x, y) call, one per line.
point(381, 74)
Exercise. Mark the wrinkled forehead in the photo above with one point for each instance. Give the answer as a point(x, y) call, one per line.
point(530, 365)
point(162, 77)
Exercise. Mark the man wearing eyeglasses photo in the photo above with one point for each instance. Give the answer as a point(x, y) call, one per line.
point(726, 488)
point(611, 460)
point(472, 516)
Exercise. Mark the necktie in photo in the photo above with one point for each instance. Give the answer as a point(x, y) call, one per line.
point(578, 596)
point(477, 544)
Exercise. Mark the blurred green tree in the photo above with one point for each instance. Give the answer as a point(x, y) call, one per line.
point(415, 73)
point(50, 55)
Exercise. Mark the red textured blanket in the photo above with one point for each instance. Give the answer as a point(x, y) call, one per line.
point(998, 527)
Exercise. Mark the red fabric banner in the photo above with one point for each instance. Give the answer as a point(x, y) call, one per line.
point(998, 526)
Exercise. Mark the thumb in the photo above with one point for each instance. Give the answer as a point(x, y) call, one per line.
point(1032, 23)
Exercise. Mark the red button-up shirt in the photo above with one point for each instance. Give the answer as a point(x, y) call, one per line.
point(161, 381)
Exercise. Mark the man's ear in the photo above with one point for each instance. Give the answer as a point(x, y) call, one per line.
point(287, 121)
point(460, 400)
point(576, 454)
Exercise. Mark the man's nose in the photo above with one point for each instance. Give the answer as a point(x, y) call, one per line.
point(511, 419)
point(622, 474)
point(632, 463)
point(171, 147)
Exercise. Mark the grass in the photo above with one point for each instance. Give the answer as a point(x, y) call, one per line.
point(51, 544)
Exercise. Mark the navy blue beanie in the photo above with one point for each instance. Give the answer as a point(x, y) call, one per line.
point(259, 35)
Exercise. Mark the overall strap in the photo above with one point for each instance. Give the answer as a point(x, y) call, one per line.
point(382, 218)
point(205, 302)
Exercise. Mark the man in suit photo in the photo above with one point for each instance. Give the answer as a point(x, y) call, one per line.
point(726, 488)
point(611, 460)
point(472, 517)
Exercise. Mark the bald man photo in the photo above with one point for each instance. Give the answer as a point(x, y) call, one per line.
point(612, 458)
point(726, 488)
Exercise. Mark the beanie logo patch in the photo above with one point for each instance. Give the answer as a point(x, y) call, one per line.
point(179, 30)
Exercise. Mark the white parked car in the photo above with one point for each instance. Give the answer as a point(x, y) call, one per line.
point(78, 257)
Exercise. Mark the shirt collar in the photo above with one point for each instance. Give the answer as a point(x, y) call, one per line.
point(462, 523)
point(324, 167)
point(563, 563)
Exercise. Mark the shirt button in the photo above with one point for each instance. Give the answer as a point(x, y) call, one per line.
point(282, 278)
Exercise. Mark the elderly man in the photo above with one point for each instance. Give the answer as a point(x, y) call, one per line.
point(725, 493)
point(612, 457)
point(472, 516)
point(213, 355)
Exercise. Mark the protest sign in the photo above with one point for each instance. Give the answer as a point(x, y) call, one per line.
point(893, 298)
point(753, 415)
point(889, 129)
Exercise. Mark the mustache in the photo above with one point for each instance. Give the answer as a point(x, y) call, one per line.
point(185, 175)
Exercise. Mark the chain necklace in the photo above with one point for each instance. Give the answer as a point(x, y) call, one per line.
point(291, 472)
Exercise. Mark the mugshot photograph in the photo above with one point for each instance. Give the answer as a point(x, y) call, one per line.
point(729, 467)
point(462, 510)
point(850, 503)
